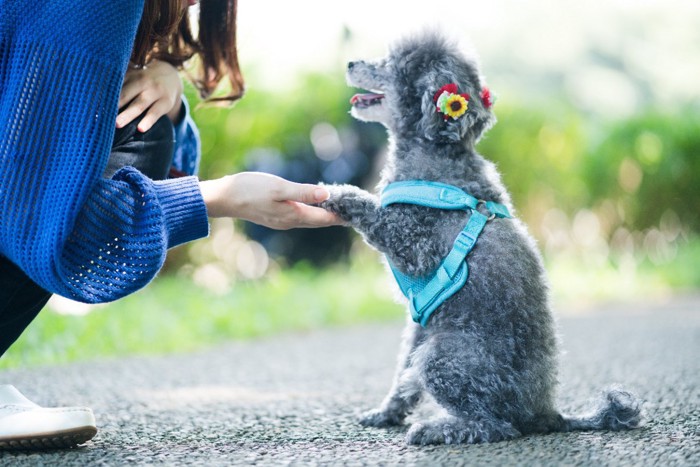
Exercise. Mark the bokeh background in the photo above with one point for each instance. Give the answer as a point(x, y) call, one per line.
point(598, 140)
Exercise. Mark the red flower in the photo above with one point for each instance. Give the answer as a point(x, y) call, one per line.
point(451, 88)
point(486, 98)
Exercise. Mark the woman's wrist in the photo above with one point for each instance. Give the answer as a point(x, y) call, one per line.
point(215, 197)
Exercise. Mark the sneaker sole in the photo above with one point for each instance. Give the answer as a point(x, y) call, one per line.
point(53, 440)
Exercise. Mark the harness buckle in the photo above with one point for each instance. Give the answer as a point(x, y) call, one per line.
point(464, 241)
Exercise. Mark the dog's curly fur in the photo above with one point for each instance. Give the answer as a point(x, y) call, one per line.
point(488, 354)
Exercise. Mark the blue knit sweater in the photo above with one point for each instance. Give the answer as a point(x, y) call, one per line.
point(61, 68)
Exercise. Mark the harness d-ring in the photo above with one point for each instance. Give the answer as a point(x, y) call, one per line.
point(490, 215)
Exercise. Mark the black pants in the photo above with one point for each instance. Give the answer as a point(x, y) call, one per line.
point(21, 299)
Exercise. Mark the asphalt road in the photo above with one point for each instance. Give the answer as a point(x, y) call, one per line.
point(293, 400)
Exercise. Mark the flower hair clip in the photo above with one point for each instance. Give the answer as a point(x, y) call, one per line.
point(450, 103)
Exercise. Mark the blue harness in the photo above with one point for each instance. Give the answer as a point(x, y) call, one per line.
point(426, 293)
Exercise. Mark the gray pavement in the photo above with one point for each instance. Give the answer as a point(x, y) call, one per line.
point(293, 399)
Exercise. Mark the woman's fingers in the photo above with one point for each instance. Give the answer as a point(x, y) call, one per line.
point(135, 108)
point(157, 110)
point(302, 192)
point(310, 216)
point(131, 88)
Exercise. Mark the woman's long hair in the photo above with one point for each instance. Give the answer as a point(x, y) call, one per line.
point(164, 34)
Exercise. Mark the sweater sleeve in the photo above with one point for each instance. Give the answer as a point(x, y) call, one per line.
point(75, 234)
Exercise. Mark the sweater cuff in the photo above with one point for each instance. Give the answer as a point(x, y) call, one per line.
point(183, 209)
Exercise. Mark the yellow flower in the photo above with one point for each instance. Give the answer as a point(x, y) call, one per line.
point(455, 106)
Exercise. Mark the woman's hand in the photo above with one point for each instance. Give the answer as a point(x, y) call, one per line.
point(155, 89)
point(267, 200)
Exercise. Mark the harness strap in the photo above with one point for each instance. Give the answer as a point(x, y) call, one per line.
point(427, 293)
point(428, 194)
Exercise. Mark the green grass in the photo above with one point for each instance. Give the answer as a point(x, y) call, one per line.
point(174, 315)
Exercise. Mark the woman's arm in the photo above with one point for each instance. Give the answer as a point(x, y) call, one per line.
point(267, 200)
point(75, 234)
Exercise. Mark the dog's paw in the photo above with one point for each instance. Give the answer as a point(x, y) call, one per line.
point(350, 203)
point(333, 203)
point(440, 432)
point(425, 433)
point(380, 418)
point(452, 430)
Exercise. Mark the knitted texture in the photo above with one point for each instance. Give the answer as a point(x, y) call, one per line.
point(61, 68)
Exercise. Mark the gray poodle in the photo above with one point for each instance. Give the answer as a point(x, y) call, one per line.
point(487, 353)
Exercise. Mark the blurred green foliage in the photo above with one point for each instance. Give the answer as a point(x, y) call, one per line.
point(651, 164)
point(646, 169)
point(539, 152)
point(281, 121)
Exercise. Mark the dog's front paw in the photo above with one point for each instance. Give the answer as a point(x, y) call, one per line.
point(349, 203)
point(380, 418)
point(334, 202)
point(331, 205)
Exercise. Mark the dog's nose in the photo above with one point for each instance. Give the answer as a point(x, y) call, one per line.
point(351, 65)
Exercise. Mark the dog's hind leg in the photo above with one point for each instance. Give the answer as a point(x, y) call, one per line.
point(406, 390)
point(465, 377)
point(453, 429)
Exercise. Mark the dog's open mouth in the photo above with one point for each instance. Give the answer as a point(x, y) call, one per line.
point(362, 101)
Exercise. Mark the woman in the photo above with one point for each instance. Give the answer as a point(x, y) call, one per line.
point(64, 229)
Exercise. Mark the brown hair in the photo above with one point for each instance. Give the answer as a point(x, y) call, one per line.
point(164, 34)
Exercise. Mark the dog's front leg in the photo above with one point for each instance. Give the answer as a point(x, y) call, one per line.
point(361, 210)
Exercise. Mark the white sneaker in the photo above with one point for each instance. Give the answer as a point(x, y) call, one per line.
point(25, 425)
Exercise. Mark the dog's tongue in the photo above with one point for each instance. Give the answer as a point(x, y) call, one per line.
point(366, 99)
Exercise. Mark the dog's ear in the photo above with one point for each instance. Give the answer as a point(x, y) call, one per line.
point(469, 127)
point(479, 116)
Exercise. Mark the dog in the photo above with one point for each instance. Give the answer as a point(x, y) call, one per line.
point(487, 353)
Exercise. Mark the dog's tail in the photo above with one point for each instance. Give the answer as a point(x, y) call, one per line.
point(616, 410)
